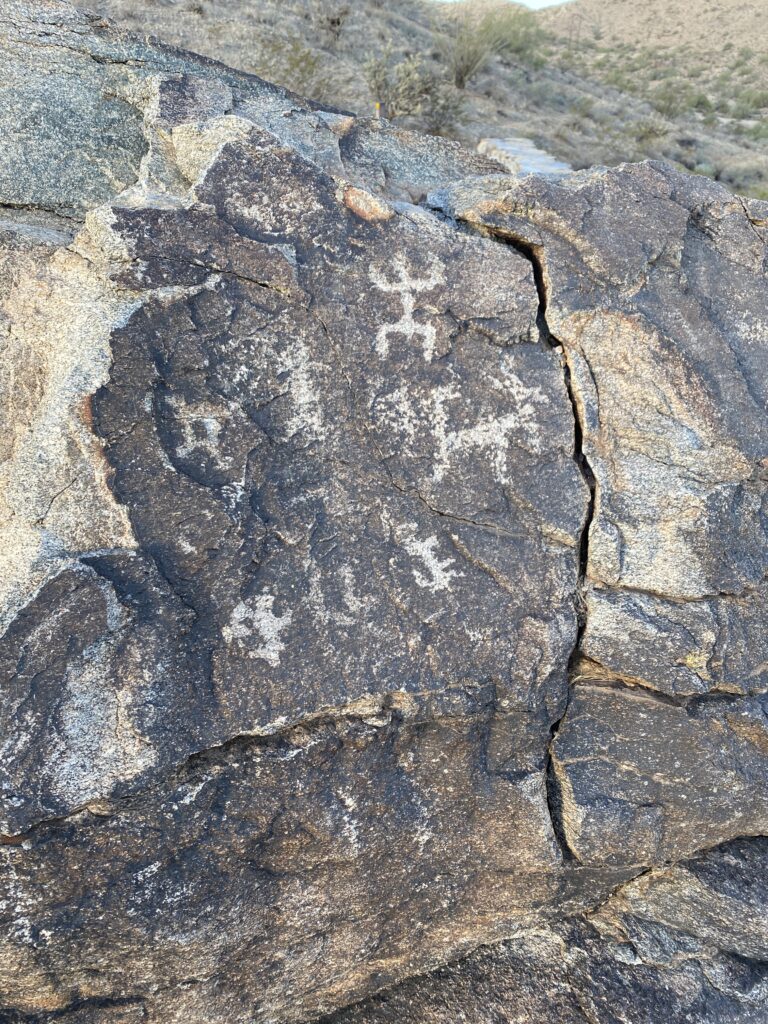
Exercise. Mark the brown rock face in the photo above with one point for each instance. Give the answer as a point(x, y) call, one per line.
point(382, 575)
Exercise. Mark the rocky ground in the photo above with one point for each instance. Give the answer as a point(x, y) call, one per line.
point(382, 564)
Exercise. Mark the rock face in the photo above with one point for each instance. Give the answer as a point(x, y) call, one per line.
point(383, 563)
point(686, 943)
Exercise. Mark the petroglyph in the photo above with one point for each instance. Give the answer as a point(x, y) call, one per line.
point(408, 287)
point(492, 436)
point(438, 573)
point(256, 630)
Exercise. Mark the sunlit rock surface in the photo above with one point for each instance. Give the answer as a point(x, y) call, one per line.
point(382, 565)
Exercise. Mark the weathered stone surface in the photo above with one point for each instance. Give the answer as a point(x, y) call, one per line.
point(654, 286)
point(643, 781)
point(678, 944)
point(378, 580)
point(651, 285)
point(105, 86)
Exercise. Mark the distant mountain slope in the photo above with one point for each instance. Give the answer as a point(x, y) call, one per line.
point(704, 25)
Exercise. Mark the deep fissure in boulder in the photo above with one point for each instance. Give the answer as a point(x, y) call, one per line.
point(546, 337)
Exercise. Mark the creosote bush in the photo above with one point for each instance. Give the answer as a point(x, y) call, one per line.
point(478, 31)
point(400, 87)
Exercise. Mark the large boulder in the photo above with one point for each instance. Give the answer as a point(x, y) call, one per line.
point(382, 549)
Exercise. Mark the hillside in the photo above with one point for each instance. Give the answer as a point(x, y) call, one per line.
point(708, 26)
point(702, 64)
point(581, 101)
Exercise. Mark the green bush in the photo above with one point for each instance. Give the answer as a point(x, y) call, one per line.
point(475, 32)
point(701, 102)
point(444, 108)
point(671, 98)
point(649, 131)
point(755, 99)
point(400, 87)
point(619, 80)
point(584, 106)
point(513, 33)
point(406, 88)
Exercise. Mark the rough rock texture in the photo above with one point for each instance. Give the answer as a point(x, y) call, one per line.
point(382, 575)
point(657, 291)
point(687, 943)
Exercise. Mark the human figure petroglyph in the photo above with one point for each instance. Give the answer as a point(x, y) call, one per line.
point(407, 287)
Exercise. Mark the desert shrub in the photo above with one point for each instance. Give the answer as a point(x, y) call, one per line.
point(405, 87)
point(328, 19)
point(288, 62)
point(701, 102)
point(755, 99)
point(649, 131)
point(444, 109)
point(468, 48)
point(619, 80)
point(671, 98)
point(475, 32)
point(400, 87)
point(583, 106)
point(514, 33)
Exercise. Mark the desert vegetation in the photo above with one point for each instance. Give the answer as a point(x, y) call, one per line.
point(487, 68)
point(473, 33)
